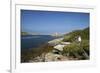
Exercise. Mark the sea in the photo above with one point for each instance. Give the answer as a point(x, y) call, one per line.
point(34, 41)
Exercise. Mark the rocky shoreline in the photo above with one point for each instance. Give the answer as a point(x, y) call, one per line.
point(55, 54)
point(71, 46)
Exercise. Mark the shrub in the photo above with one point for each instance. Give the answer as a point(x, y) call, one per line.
point(31, 54)
point(67, 39)
point(85, 46)
point(72, 49)
point(77, 50)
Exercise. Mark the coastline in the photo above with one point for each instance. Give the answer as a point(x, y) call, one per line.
point(72, 46)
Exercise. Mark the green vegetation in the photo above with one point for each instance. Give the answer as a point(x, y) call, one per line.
point(31, 54)
point(77, 50)
point(73, 50)
point(28, 55)
point(85, 46)
point(70, 37)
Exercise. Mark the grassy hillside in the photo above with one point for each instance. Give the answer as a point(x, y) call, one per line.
point(75, 50)
point(70, 37)
point(79, 50)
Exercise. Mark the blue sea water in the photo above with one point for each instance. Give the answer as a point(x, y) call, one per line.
point(34, 41)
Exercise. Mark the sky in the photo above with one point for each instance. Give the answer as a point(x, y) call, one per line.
point(49, 22)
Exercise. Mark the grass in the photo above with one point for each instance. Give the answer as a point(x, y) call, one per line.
point(77, 50)
point(72, 36)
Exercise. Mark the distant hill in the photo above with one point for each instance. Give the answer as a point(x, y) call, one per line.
point(72, 35)
point(24, 33)
point(29, 33)
point(56, 34)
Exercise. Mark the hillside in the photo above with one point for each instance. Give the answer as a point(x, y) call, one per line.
point(24, 33)
point(61, 49)
point(77, 49)
point(70, 37)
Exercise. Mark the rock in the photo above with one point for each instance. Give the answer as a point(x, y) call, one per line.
point(51, 57)
point(59, 47)
point(55, 54)
point(37, 59)
point(54, 57)
point(65, 43)
point(55, 41)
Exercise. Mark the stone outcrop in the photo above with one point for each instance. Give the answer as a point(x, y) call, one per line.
point(55, 54)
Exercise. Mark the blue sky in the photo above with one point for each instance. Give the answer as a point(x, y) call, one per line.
point(49, 22)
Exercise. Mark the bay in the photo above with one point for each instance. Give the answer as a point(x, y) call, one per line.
point(34, 41)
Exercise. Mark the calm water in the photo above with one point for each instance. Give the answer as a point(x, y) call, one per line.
point(34, 41)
